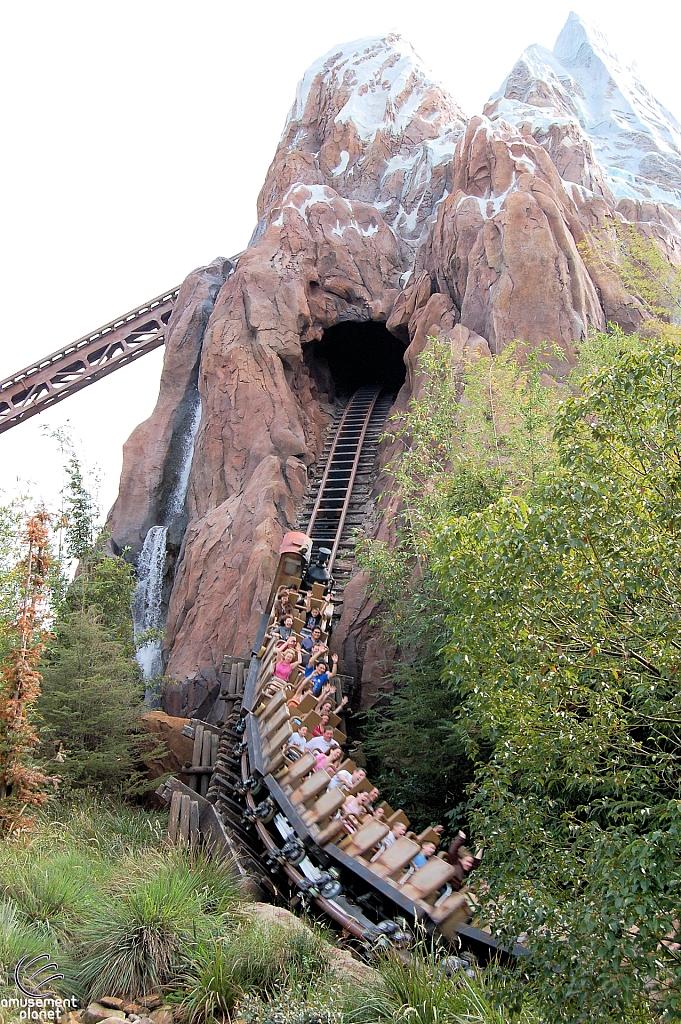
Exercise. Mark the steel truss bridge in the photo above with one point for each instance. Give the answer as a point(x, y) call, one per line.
point(47, 381)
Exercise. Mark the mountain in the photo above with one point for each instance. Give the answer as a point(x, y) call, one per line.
point(386, 217)
point(582, 85)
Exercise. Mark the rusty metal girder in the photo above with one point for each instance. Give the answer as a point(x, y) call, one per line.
point(52, 379)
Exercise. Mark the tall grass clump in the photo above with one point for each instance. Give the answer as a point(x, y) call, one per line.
point(259, 959)
point(136, 940)
point(17, 940)
point(54, 891)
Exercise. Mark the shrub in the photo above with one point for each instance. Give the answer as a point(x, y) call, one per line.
point(90, 705)
point(216, 885)
point(17, 940)
point(256, 961)
point(268, 957)
point(213, 992)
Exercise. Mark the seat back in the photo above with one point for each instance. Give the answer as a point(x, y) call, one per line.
point(296, 677)
point(364, 786)
point(273, 704)
point(278, 739)
point(429, 835)
point(306, 705)
point(275, 721)
point(327, 805)
point(298, 770)
point(398, 815)
point(395, 858)
point(433, 875)
point(365, 838)
point(312, 720)
point(311, 787)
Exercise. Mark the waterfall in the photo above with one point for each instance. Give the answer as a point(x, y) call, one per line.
point(147, 602)
point(179, 494)
point(147, 611)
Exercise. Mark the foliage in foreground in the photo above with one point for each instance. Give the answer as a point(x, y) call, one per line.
point(564, 643)
point(95, 887)
point(550, 611)
point(454, 458)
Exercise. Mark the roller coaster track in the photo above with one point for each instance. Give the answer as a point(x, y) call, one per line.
point(344, 482)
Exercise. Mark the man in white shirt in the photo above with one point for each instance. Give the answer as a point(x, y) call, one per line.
point(298, 739)
point(342, 778)
point(322, 743)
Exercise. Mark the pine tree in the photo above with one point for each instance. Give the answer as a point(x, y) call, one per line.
point(91, 704)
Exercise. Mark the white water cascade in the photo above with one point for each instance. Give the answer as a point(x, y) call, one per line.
point(147, 602)
point(147, 612)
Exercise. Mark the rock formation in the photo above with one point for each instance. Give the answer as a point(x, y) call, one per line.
point(383, 204)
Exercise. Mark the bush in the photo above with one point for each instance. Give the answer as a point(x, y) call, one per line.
point(213, 993)
point(135, 940)
point(259, 961)
point(17, 940)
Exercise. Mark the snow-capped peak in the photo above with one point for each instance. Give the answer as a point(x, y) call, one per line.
point(635, 139)
point(380, 81)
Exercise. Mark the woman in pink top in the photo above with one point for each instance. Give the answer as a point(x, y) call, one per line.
point(283, 668)
point(330, 760)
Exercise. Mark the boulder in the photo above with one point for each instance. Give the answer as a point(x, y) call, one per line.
point(95, 1013)
point(177, 754)
point(152, 1001)
point(164, 1015)
point(341, 961)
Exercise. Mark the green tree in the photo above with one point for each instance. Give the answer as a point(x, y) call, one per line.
point(453, 457)
point(92, 696)
point(564, 648)
point(645, 270)
point(91, 705)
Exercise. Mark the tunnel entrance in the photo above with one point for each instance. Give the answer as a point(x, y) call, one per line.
point(355, 354)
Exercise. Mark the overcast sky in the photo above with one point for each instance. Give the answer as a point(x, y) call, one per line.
point(137, 135)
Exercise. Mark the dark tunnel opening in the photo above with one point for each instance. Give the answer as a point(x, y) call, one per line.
point(358, 354)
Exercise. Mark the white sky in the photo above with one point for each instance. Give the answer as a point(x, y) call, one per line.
point(136, 137)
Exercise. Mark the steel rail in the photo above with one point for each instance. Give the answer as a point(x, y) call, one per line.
point(351, 482)
point(362, 402)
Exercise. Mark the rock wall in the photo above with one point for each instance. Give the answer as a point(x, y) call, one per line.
point(383, 203)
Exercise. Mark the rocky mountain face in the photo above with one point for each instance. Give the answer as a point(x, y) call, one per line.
point(383, 204)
